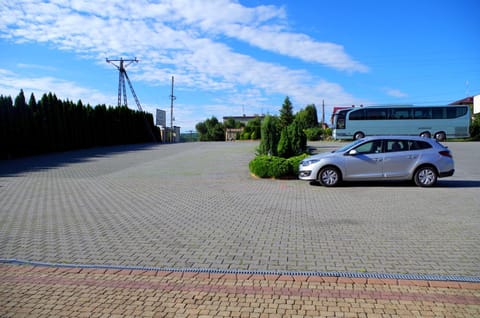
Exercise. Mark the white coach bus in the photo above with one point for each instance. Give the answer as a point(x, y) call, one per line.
point(440, 122)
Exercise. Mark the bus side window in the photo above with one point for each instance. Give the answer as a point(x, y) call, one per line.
point(422, 113)
point(437, 113)
point(400, 113)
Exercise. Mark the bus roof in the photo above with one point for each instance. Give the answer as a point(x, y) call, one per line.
point(337, 109)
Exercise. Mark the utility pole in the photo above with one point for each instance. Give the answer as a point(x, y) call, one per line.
point(323, 113)
point(172, 98)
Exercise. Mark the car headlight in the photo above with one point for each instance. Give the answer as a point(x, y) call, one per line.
point(309, 162)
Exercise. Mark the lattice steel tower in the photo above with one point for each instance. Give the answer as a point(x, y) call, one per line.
point(122, 91)
point(122, 75)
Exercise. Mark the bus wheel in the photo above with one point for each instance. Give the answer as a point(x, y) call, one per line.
point(358, 135)
point(440, 136)
point(426, 134)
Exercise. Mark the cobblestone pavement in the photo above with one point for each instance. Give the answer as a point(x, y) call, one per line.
point(196, 206)
point(27, 291)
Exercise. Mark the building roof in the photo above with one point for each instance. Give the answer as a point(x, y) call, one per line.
point(465, 101)
point(243, 118)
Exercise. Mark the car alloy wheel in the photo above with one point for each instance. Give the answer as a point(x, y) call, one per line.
point(329, 176)
point(425, 177)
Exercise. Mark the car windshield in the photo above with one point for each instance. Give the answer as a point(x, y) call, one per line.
point(348, 146)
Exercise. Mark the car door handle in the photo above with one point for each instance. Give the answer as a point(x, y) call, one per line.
point(412, 157)
point(378, 159)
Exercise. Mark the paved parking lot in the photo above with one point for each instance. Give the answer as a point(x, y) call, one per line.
point(184, 231)
point(195, 205)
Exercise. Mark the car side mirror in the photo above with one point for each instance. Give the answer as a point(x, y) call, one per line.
point(352, 152)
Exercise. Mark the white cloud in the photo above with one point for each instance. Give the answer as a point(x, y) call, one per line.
point(395, 92)
point(11, 82)
point(255, 26)
point(181, 38)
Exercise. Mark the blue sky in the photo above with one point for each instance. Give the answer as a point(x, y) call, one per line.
point(233, 57)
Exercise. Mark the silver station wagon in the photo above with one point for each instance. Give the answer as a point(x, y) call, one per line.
point(378, 158)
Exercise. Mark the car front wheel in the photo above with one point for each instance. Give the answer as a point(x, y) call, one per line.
point(425, 176)
point(329, 176)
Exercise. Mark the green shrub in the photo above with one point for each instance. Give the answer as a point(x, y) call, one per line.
point(314, 133)
point(295, 162)
point(245, 135)
point(269, 166)
point(275, 167)
point(279, 167)
point(327, 132)
point(260, 166)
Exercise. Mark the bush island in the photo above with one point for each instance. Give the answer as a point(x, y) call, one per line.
point(284, 142)
point(264, 166)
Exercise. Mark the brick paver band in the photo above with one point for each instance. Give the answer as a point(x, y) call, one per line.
point(24, 289)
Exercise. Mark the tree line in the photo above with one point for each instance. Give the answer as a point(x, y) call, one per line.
point(51, 125)
point(306, 120)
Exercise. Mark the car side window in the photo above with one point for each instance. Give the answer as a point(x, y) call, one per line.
point(417, 145)
point(396, 145)
point(370, 147)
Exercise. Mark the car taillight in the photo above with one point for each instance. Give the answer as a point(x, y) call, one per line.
point(445, 153)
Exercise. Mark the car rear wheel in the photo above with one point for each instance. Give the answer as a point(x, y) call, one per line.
point(425, 176)
point(329, 176)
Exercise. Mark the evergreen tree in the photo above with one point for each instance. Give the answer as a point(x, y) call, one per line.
point(284, 147)
point(32, 102)
point(253, 129)
point(293, 141)
point(286, 113)
point(55, 125)
point(307, 118)
point(298, 139)
point(270, 136)
point(6, 126)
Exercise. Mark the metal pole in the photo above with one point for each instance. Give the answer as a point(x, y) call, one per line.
point(172, 98)
point(323, 113)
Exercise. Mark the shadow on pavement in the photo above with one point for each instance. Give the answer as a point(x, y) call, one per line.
point(441, 184)
point(459, 184)
point(14, 167)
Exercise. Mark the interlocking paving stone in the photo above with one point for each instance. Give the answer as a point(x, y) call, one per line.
point(196, 205)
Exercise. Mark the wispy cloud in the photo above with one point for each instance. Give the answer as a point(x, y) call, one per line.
point(395, 92)
point(37, 67)
point(10, 83)
point(185, 39)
